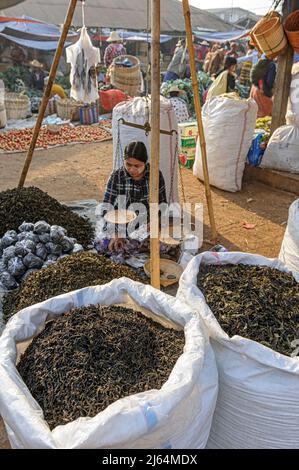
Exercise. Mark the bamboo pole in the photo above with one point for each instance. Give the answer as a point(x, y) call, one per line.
point(155, 144)
point(186, 10)
point(47, 92)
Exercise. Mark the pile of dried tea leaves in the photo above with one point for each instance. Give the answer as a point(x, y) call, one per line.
point(256, 302)
point(73, 272)
point(90, 357)
point(31, 205)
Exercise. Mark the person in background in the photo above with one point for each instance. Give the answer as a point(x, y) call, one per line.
point(37, 76)
point(18, 55)
point(178, 65)
point(263, 76)
point(225, 81)
point(233, 50)
point(209, 56)
point(247, 62)
point(115, 48)
point(179, 105)
point(216, 63)
point(56, 89)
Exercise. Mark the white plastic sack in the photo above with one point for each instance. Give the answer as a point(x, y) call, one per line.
point(258, 398)
point(282, 152)
point(229, 127)
point(178, 415)
point(289, 252)
point(293, 102)
point(82, 56)
point(135, 111)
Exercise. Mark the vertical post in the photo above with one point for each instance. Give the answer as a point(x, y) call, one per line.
point(186, 10)
point(47, 92)
point(283, 76)
point(155, 144)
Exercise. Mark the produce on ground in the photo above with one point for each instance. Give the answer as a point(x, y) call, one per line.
point(90, 357)
point(73, 272)
point(31, 205)
point(36, 246)
point(19, 140)
point(264, 123)
point(256, 302)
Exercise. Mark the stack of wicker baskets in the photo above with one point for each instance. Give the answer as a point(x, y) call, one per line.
point(69, 109)
point(268, 35)
point(17, 105)
point(126, 79)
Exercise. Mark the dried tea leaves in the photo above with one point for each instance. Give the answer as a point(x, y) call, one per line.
point(92, 356)
point(32, 205)
point(256, 302)
point(73, 272)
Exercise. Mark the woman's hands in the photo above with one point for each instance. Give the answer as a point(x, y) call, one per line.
point(116, 244)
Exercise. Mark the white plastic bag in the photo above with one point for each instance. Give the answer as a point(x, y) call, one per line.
point(82, 56)
point(258, 399)
point(289, 252)
point(293, 102)
point(176, 416)
point(282, 152)
point(229, 127)
point(136, 111)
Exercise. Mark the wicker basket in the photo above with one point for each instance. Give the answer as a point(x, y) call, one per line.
point(17, 105)
point(69, 109)
point(126, 79)
point(269, 37)
point(291, 27)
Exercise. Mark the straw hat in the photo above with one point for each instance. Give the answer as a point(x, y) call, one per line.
point(204, 43)
point(114, 36)
point(175, 88)
point(37, 64)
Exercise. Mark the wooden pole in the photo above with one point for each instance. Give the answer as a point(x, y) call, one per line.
point(47, 92)
point(155, 143)
point(283, 76)
point(187, 17)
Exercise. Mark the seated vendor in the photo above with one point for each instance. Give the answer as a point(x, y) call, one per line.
point(131, 181)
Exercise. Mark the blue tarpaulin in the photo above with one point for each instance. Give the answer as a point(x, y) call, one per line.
point(222, 37)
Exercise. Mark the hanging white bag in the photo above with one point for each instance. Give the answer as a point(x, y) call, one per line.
point(82, 56)
point(258, 398)
point(282, 152)
point(229, 127)
point(177, 416)
point(293, 102)
point(289, 252)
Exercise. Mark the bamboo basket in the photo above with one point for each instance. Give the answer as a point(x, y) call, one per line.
point(17, 105)
point(291, 27)
point(269, 36)
point(69, 109)
point(126, 79)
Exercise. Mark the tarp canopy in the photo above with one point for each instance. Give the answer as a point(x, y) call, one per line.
point(9, 3)
point(29, 32)
point(123, 14)
point(222, 37)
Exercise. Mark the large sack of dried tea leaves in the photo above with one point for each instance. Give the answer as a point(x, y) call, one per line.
point(258, 400)
point(289, 252)
point(178, 415)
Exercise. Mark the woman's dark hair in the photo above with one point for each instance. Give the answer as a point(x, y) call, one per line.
point(229, 61)
point(136, 150)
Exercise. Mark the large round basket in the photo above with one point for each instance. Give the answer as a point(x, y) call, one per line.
point(270, 37)
point(170, 271)
point(291, 27)
point(69, 109)
point(17, 105)
point(127, 79)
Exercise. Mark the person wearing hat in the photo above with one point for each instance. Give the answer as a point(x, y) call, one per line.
point(37, 76)
point(131, 181)
point(114, 49)
point(179, 105)
point(178, 65)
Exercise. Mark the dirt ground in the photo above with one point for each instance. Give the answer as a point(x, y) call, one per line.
point(80, 172)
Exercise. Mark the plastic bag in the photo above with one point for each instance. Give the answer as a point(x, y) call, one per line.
point(41, 227)
point(8, 281)
point(41, 251)
point(48, 263)
point(57, 233)
point(289, 252)
point(256, 151)
point(28, 273)
point(51, 257)
point(67, 244)
point(23, 247)
point(8, 253)
point(16, 267)
point(82, 56)
point(53, 249)
point(177, 416)
point(44, 238)
point(77, 248)
point(26, 227)
point(9, 238)
point(32, 261)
